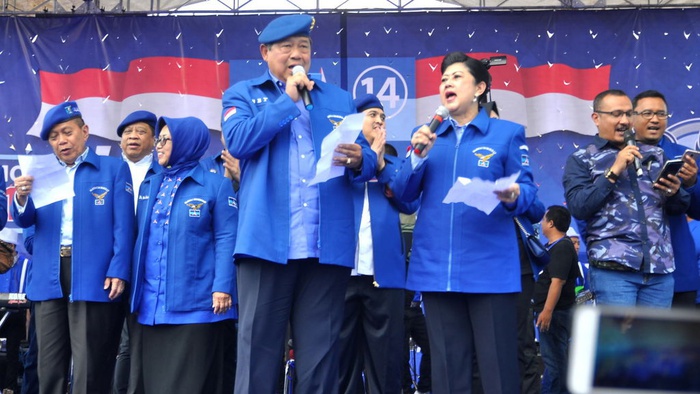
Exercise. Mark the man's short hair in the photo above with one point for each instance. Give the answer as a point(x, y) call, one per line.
point(611, 92)
point(560, 216)
point(648, 94)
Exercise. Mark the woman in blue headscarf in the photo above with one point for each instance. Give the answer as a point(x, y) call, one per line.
point(183, 281)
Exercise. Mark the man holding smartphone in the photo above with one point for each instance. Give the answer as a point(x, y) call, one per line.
point(628, 239)
point(650, 118)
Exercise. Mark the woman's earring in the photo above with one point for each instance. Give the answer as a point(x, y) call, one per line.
point(475, 97)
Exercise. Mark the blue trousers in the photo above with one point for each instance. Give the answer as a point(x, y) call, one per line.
point(554, 346)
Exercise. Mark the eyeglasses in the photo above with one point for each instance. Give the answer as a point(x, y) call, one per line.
point(161, 141)
point(648, 114)
point(617, 113)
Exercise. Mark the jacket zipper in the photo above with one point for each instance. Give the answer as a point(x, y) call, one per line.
point(452, 213)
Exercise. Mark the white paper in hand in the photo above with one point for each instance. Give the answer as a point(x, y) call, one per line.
point(51, 181)
point(479, 193)
point(346, 133)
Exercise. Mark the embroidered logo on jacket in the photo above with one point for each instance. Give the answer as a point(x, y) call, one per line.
point(484, 154)
point(335, 120)
point(195, 204)
point(99, 192)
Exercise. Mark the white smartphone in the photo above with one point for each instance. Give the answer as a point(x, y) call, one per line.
point(692, 153)
point(634, 350)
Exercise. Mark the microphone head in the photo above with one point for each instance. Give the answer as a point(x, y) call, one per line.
point(442, 112)
point(298, 70)
point(629, 137)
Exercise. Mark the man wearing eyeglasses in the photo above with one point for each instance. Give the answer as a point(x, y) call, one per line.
point(650, 119)
point(296, 242)
point(627, 235)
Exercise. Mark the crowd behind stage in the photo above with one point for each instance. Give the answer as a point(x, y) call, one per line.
point(167, 272)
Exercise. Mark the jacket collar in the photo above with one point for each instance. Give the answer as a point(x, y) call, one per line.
point(266, 80)
point(481, 123)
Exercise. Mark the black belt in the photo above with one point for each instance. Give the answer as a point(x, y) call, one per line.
point(612, 266)
point(66, 251)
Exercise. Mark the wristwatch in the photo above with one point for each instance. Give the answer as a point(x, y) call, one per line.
point(609, 174)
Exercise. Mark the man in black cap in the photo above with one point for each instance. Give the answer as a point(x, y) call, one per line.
point(82, 259)
point(296, 242)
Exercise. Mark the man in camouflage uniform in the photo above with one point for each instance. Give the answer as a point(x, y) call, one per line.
point(627, 233)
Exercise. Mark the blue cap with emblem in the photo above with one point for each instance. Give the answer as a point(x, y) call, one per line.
point(368, 101)
point(285, 27)
point(59, 114)
point(138, 116)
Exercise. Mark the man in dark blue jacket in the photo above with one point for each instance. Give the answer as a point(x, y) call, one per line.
point(82, 258)
point(372, 334)
point(296, 241)
point(650, 119)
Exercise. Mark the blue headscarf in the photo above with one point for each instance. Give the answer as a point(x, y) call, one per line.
point(190, 139)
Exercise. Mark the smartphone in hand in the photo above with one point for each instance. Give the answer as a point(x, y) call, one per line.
point(670, 167)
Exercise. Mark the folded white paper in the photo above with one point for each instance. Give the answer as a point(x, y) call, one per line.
point(479, 193)
point(51, 181)
point(346, 133)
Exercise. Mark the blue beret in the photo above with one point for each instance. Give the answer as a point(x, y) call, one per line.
point(138, 116)
point(368, 101)
point(59, 114)
point(286, 26)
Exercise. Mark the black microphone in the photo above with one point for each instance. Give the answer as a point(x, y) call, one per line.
point(302, 90)
point(630, 141)
point(440, 114)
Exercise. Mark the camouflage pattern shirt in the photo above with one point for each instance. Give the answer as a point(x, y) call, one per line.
point(626, 221)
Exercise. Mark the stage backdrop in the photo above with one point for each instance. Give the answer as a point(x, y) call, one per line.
point(179, 66)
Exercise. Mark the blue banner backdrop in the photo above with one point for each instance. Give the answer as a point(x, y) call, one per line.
point(180, 66)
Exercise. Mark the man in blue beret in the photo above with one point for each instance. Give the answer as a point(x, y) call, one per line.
point(371, 338)
point(82, 259)
point(296, 242)
point(137, 133)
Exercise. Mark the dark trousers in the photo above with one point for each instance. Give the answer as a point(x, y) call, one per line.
point(303, 293)
point(30, 379)
point(182, 358)
point(527, 348)
point(461, 325)
point(684, 299)
point(87, 333)
point(13, 329)
point(371, 338)
point(127, 371)
point(229, 339)
point(415, 328)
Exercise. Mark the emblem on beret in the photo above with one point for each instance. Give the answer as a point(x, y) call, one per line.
point(313, 23)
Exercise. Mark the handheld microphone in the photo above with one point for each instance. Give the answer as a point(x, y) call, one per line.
point(630, 141)
point(302, 90)
point(440, 114)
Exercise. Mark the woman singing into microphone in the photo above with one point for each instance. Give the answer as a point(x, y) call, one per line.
point(464, 261)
